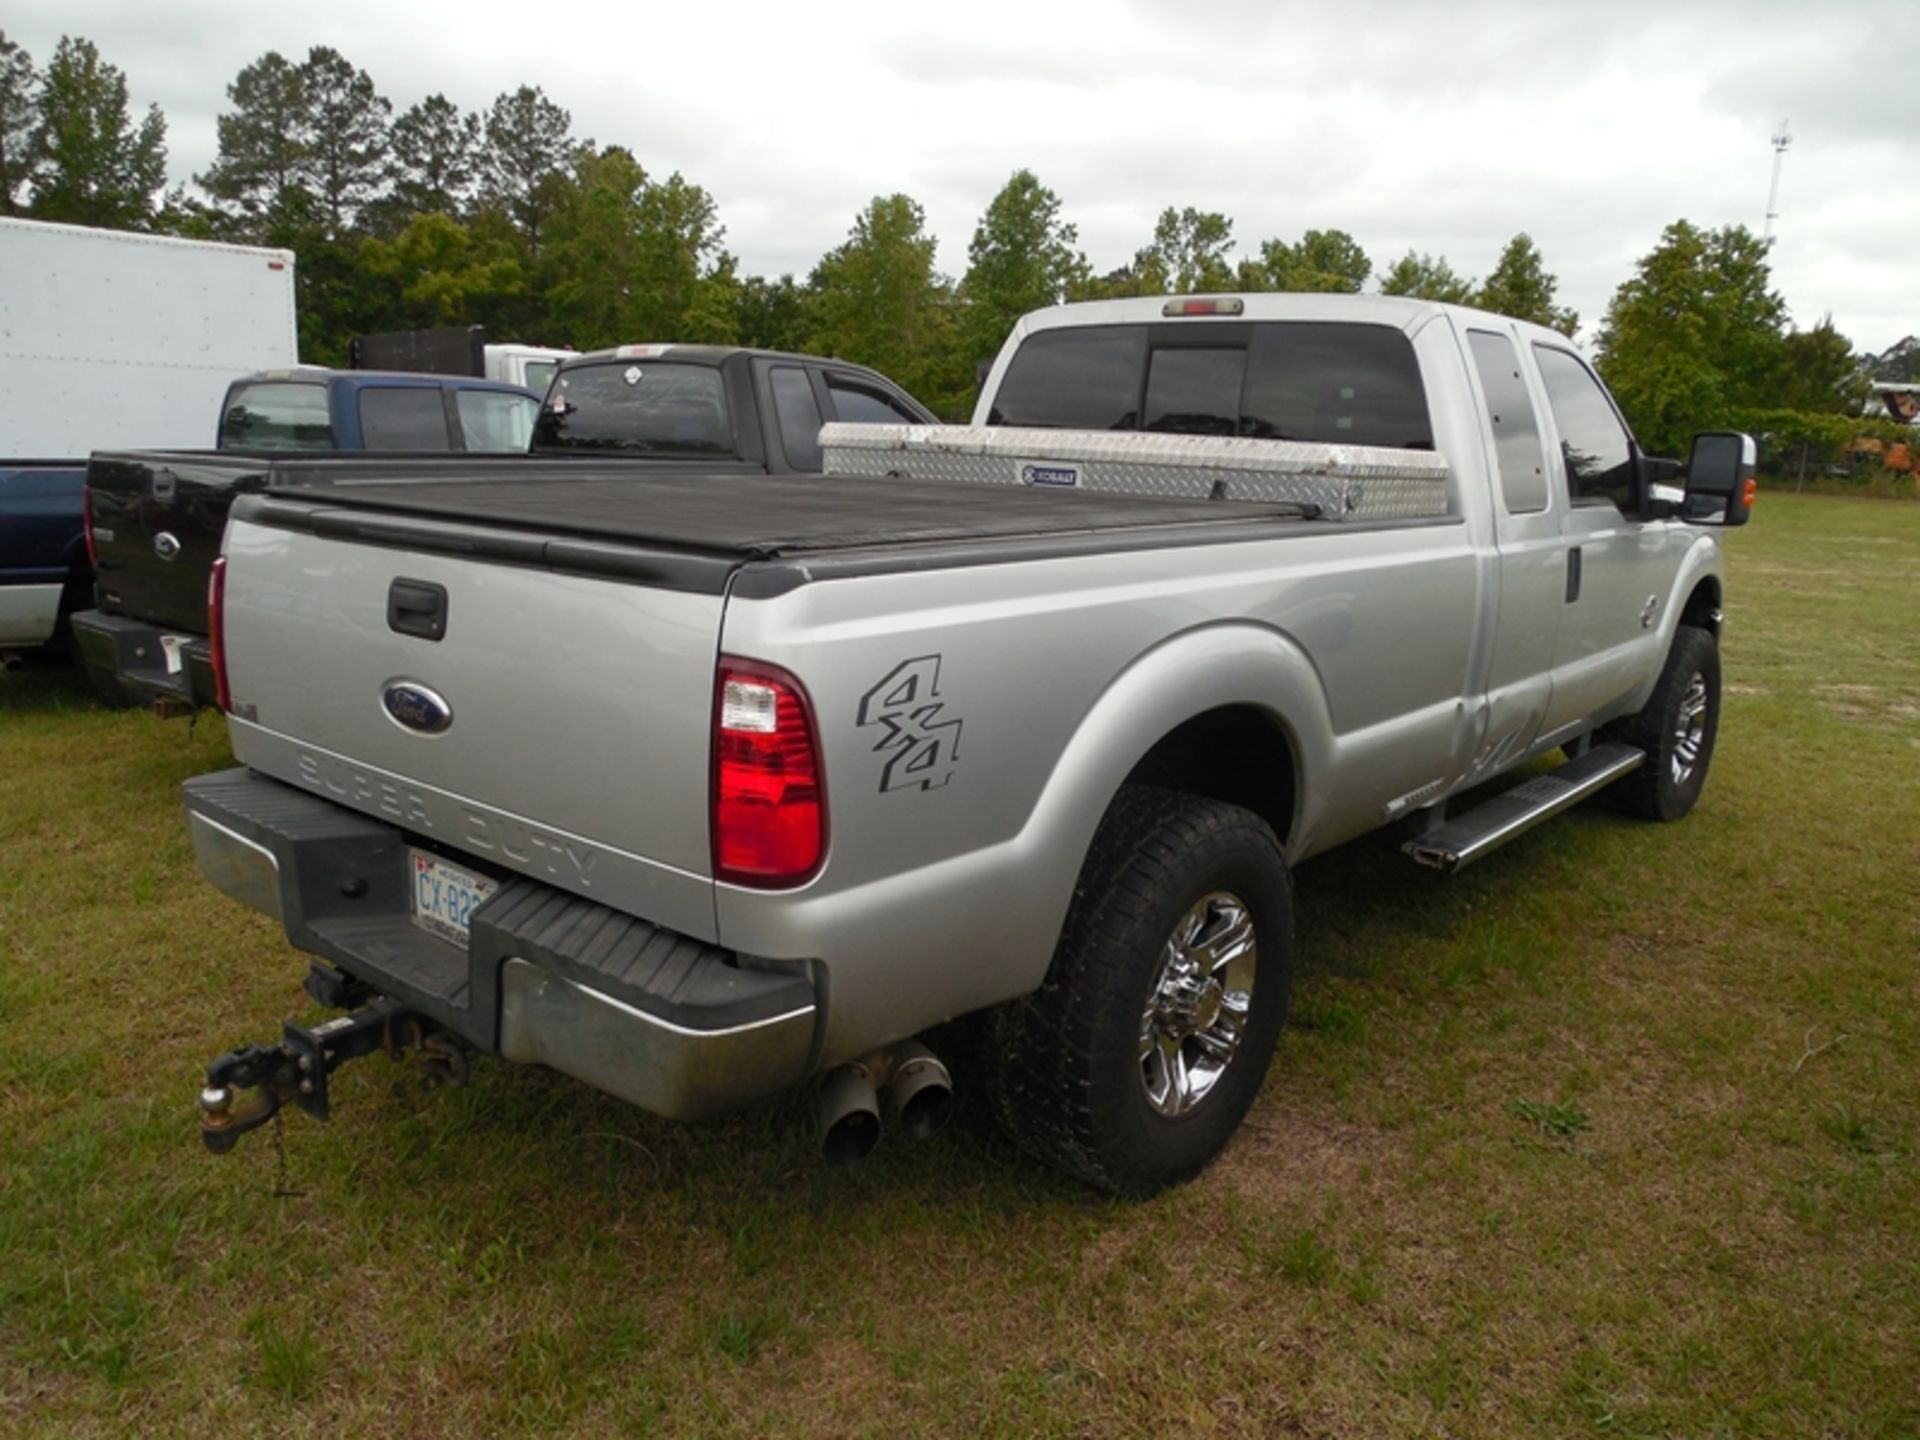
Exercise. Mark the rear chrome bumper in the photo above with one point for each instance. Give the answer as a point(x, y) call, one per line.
point(669, 1023)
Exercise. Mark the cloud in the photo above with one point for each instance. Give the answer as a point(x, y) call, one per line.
point(1442, 129)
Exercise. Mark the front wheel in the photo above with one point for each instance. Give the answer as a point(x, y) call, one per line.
point(1136, 1060)
point(1677, 729)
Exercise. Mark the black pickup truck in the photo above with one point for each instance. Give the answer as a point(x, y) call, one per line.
point(157, 516)
point(154, 518)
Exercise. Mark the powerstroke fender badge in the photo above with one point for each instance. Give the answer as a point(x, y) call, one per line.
point(920, 740)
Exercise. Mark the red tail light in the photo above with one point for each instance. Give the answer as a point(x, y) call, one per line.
point(86, 525)
point(217, 632)
point(769, 806)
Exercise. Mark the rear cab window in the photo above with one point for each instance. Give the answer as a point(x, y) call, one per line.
point(411, 417)
point(1329, 382)
point(647, 407)
point(277, 415)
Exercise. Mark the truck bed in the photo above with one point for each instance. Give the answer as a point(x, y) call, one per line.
point(760, 517)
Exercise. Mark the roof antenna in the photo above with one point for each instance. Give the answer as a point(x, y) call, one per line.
point(1781, 140)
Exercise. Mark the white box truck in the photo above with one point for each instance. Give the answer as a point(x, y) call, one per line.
point(109, 339)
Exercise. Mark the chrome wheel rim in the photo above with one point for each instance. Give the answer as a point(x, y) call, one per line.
point(1196, 1012)
point(1690, 729)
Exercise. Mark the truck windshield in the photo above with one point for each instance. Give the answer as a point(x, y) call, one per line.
point(540, 375)
point(277, 415)
point(1337, 383)
point(649, 408)
point(495, 419)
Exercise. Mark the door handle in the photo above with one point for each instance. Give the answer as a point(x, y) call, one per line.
point(418, 608)
point(1573, 574)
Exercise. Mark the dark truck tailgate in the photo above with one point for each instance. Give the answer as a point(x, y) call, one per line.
point(157, 518)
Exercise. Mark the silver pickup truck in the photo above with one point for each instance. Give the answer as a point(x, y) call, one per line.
point(695, 787)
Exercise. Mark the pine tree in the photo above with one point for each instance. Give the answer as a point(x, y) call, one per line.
point(1520, 286)
point(259, 176)
point(19, 119)
point(524, 166)
point(344, 146)
point(433, 157)
point(1022, 258)
point(95, 166)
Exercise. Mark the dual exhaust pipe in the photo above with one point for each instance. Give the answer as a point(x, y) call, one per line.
point(915, 1085)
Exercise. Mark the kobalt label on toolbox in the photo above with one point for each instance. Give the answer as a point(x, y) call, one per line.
point(1040, 472)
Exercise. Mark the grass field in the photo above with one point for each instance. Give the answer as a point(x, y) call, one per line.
point(1617, 1133)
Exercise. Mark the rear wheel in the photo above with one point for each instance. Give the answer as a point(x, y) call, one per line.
point(1676, 729)
point(1136, 1060)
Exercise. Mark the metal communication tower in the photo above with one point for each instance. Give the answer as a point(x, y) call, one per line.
point(1781, 140)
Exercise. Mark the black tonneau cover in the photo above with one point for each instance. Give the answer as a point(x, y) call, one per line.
point(762, 517)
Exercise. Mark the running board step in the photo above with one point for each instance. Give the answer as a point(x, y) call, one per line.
point(1492, 823)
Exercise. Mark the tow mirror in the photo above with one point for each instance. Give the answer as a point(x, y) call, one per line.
point(1720, 483)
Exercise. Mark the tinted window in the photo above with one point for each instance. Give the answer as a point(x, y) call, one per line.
point(277, 415)
point(799, 416)
point(650, 407)
point(1296, 380)
point(1339, 384)
point(409, 419)
point(1599, 467)
point(865, 407)
point(495, 420)
point(540, 375)
point(1194, 392)
point(1082, 379)
point(1516, 434)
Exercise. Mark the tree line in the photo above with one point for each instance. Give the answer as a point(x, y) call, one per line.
point(439, 215)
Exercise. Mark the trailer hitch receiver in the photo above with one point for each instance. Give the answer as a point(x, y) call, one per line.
point(298, 1068)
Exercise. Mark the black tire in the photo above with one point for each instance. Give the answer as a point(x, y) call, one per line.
point(108, 690)
point(1064, 1067)
point(1667, 785)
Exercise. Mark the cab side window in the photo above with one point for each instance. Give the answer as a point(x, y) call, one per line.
point(1516, 433)
point(404, 418)
point(1599, 460)
point(799, 416)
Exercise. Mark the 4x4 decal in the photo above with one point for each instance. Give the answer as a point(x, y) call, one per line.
point(921, 747)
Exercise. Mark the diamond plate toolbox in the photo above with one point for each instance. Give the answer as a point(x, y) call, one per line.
point(1343, 482)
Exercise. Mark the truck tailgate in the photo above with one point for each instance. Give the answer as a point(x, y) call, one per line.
point(157, 517)
point(574, 747)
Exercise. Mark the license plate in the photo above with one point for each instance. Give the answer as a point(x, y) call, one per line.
point(445, 896)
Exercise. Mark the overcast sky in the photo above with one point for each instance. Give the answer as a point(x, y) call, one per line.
point(1443, 128)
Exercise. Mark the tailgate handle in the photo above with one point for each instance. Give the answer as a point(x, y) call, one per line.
point(418, 608)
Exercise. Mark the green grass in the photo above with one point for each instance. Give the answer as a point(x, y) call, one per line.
point(1614, 1134)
